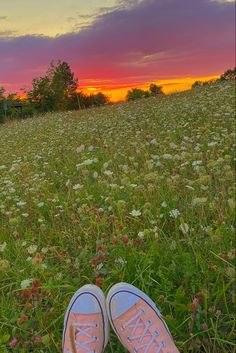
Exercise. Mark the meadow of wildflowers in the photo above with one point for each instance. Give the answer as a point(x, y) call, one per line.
point(140, 192)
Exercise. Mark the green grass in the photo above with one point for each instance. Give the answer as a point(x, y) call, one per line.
point(68, 185)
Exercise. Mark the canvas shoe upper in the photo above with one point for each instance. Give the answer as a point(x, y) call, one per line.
point(85, 324)
point(137, 322)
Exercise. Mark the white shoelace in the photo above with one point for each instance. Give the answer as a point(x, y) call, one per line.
point(83, 329)
point(136, 322)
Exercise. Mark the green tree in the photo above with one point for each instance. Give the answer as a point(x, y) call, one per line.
point(63, 84)
point(229, 75)
point(41, 94)
point(56, 90)
point(137, 93)
point(2, 92)
point(155, 90)
point(197, 84)
point(80, 100)
point(209, 82)
point(204, 83)
point(98, 99)
point(2, 99)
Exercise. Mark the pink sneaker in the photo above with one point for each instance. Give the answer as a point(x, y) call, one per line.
point(137, 322)
point(86, 324)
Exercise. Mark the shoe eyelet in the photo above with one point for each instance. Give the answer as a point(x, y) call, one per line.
point(128, 338)
point(163, 344)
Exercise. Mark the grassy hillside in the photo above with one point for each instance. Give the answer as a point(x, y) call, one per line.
point(140, 192)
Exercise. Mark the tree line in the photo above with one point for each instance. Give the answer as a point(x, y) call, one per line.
point(57, 90)
point(228, 75)
point(137, 93)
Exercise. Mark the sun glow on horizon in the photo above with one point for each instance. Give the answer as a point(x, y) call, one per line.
point(118, 92)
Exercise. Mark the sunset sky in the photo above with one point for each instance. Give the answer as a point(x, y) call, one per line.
point(114, 45)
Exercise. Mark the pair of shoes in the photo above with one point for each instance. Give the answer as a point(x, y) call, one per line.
point(132, 314)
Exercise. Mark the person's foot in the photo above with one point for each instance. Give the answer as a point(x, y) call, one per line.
point(86, 324)
point(137, 322)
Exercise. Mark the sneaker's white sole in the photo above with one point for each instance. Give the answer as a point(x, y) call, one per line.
point(98, 293)
point(126, 287)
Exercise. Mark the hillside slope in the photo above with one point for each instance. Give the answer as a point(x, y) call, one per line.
point(139, 192)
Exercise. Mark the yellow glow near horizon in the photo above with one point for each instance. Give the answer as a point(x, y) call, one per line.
point(169, 86)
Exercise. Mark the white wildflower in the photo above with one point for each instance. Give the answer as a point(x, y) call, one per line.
point(21, 203)
point(135, 213)
point(153, 142)
point(25, 283)
point(95, 175)
point(87, 162)
point(174, 213)
point(32, 249)
point(3, 246)
point(211, 144)
point(167, 156)
point(77, 187)
point(141, 235)
point(108, 172)
point(196, 163)
point(80, 149)
point(121, 261)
